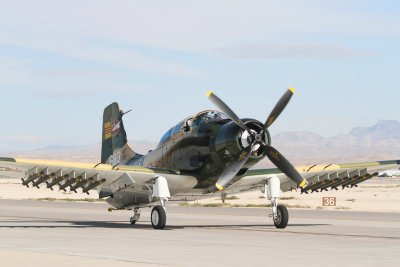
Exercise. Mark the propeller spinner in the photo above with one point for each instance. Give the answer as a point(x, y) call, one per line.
point(256, 141)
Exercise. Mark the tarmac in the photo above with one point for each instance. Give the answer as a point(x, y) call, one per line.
point(47, 233)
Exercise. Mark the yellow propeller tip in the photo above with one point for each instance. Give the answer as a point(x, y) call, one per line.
point(292, 90)
point(209, 93)
point(303, 183)
point(220, 187)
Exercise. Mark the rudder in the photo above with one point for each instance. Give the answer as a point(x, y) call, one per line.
point(115, 149)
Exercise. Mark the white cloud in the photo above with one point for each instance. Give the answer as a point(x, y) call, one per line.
point(78, 49)
point(297, 50)
point(22, 76)
point(63, 26)
point(91, 90)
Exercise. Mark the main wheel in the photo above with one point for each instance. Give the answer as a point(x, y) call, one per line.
point(158, 217)
point(282, 218)
point(132, 220)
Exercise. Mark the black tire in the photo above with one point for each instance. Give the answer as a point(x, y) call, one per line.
point(158, 217)
point(132, 221)
point(283, 217)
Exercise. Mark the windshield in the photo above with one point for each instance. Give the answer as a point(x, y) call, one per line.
point(210, 115)
point(165, 137)
point(177, 128)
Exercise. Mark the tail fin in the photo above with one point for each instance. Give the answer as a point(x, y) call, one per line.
point(115, 149)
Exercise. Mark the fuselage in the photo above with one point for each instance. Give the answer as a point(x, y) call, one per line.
point(202, 145)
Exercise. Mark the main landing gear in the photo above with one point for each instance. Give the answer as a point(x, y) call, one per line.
point(158, 217)
point(160, 191)
point(280, 214)
point(158, 214)
point(280, 217)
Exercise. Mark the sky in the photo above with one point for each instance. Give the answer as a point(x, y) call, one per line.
point(63, 62)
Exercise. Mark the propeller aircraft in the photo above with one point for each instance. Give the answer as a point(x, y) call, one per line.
point(209, 152)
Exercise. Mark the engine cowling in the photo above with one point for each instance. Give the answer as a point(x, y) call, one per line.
point(231, 140)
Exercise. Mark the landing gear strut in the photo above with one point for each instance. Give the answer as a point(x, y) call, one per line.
point(280, 214)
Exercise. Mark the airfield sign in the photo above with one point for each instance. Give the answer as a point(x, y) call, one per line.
point(329, 201)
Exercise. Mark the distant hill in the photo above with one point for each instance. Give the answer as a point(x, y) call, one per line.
point(381, 141)
point(389, 129)
point(378, 142)
point(88, 153)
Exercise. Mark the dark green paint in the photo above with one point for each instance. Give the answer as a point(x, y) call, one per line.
point(200, 146)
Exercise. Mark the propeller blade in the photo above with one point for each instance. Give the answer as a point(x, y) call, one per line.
point(279, 107)
point(285, 166)
point(227, 110)
point(232, 169)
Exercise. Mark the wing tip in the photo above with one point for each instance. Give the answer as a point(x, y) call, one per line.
point(291, 89)
point(7, 159)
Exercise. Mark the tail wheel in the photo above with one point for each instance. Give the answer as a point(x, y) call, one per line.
point(282, 218)
point(158, 217)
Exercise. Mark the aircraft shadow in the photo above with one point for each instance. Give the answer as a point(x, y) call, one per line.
point(126, 225)
point(237, 226)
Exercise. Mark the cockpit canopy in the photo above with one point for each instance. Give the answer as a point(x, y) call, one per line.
point(193, 121)
point(209, 115)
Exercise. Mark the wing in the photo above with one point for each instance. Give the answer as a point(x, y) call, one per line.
point(118, 182)
point(319, 177)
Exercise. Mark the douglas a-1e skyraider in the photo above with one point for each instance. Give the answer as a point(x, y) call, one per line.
point(212, 151)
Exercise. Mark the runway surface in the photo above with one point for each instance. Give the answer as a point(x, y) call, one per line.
point(34, 233)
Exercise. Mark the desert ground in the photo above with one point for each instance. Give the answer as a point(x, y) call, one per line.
point(376, 195)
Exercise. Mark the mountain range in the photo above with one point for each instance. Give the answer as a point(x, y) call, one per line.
point(379, 142)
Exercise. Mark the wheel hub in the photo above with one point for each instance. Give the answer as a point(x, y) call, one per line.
point(278, 217)
point(155, 218)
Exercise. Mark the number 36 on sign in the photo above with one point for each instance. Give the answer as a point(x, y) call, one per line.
point(329, 201)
